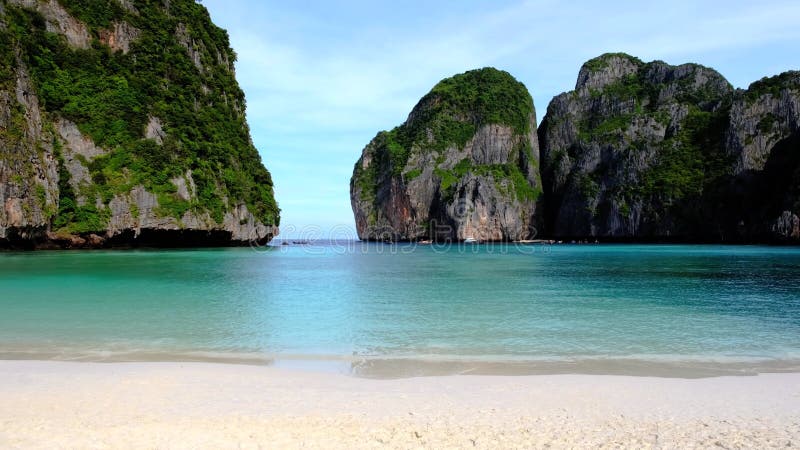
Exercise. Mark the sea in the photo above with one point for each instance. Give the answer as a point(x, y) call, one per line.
point(389, 310)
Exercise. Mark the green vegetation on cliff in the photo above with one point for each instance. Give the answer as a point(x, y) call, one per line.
point(482, 97)
point(690, 159)
point(449, 115)
point(179, 69)
point(601, 62)
point(773, 85)
point(456, 107)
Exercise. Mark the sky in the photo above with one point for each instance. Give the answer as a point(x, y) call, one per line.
point(322, 78)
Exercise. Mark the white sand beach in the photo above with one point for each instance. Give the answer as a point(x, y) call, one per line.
point(202, 405)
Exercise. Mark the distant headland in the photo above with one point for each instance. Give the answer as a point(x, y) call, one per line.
point(638, 152)
point(123, 125)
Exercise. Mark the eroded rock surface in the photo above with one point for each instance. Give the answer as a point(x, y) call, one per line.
point(464, 165)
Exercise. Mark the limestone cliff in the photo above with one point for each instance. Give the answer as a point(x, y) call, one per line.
point(636, 151)
point(121, 123)
point(763, 139)
point(464, 164)
point(649, 151)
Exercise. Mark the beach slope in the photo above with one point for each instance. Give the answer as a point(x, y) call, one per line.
point(200, 405)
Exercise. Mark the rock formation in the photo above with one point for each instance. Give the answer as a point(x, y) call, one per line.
point(649, 151)
point(635, 151)
point(763, 139)
point(464, 164)
point(115, 132)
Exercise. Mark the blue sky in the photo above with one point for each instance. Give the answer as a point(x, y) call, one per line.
point(321, 78)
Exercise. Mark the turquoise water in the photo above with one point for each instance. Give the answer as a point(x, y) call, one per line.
point(382, 310)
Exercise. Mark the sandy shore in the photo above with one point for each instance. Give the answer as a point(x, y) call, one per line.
point(199, 405)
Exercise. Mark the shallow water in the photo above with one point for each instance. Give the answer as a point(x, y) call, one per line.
point(401, 310)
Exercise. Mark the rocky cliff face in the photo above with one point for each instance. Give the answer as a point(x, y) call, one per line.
point(653, 151)
point(763, 139)
point(464, 164)
point(636, 151)
point(121, 123)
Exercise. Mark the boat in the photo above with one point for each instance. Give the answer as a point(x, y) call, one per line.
point(470, 240)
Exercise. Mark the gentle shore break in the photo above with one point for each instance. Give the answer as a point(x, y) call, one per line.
point(201, 405)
